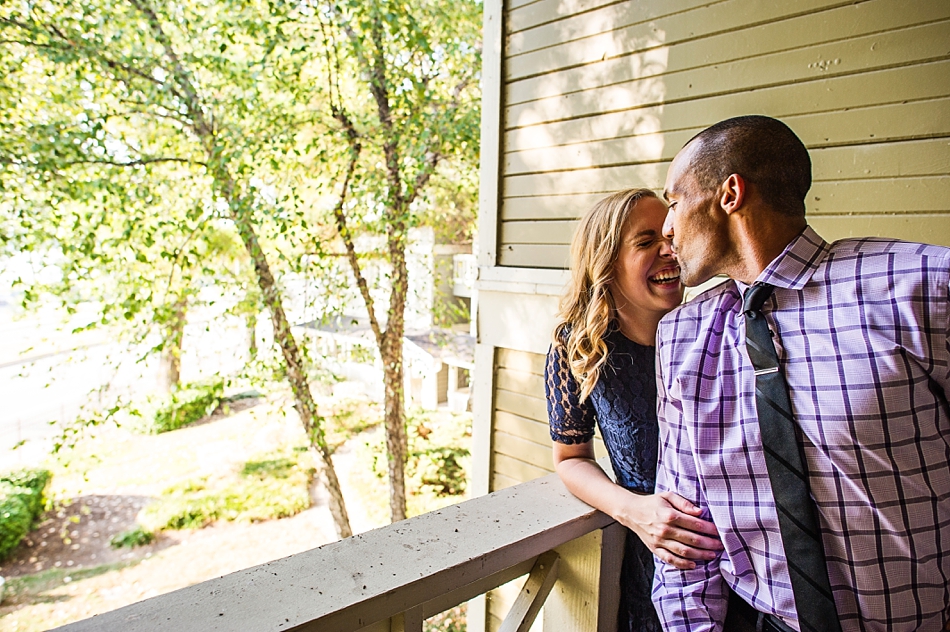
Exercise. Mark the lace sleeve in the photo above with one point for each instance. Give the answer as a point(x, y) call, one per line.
point(570, 421)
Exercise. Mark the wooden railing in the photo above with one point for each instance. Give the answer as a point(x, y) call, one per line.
point(391, 579)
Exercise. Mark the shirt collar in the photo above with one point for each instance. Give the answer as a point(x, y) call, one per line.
point(798, 262)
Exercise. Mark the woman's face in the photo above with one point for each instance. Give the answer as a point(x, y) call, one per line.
point(646, 276)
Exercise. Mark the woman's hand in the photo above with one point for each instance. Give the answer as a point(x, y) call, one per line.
point(671, 528)
point(666, 522)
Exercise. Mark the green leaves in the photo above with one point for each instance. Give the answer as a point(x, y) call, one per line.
point(154, 154)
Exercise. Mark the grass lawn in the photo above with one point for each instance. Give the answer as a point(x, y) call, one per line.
point(234, 468)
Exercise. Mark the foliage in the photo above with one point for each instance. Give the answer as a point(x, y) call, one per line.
point(452, 620)
point(441, 469)
point(187, 404)
point(273, 485)
point(15, 518)
point(439, 454)
point(35, 480)
point(438, 464)
point(139, 536)
point(346, 418)
point(21, 501)
point(159, 156)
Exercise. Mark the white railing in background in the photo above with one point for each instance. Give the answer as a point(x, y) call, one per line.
point(464, 274)
point(391, 579)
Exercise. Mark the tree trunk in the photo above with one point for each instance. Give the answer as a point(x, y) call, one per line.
point(251, 323)
point(296, 374)
point(224, 184)
point(171, 350)
point(395, 423)
point(391, 352)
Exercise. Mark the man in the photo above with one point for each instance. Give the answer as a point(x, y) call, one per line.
point(861, 331)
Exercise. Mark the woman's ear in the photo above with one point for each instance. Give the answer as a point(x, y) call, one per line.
point(732, 193)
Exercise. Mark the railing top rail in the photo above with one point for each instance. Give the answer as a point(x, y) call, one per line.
point(355, 582)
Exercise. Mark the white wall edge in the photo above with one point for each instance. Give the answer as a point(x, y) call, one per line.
point(491, 131)
point(522, 280)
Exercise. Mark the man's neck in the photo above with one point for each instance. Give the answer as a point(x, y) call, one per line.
point(760, 241)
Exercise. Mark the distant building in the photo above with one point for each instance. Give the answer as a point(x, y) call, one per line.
point(439, 345)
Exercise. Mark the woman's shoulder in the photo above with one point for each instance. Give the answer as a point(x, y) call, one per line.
point(562, 333)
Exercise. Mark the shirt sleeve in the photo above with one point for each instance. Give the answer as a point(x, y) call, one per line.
point(686, 600)
point(945, 381)
point(570, 420)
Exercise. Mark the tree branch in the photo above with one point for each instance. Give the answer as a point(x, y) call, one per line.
point(343, 229)
point(135, 163)
point(434, 157)
point(201, 124)
point(61, 41)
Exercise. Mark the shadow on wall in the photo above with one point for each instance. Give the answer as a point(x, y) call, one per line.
point(584, 102)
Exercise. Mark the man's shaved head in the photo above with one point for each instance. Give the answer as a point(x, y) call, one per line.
point(764, 151)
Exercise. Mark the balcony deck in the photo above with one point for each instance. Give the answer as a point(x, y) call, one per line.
point(393, 577)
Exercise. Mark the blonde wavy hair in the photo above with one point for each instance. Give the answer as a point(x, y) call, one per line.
point(587, 307)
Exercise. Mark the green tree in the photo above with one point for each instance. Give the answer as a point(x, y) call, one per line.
point(120, 114)
point(414, 108)
point(133, 134)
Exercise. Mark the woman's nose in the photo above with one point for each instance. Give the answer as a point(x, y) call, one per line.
point(666, 246)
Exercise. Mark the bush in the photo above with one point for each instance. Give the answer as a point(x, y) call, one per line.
point(15, 518)
point(21, 501)
point(132, 538)
point(188, 404)
point(442, 470)
point(274, 486)
point(33, 480)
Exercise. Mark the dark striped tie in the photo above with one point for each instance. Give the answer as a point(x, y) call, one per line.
point(797, 515)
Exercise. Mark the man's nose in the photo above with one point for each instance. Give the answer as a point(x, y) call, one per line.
point(668, 225)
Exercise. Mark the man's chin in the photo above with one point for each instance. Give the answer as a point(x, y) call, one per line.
point(692, 279)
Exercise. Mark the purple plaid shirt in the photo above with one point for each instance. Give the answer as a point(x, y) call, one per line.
point(863, 336)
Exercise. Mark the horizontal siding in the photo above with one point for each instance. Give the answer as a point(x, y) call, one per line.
point(874, 195)
point(523, 362)
point(526, 14)
point(834, 97)
point(533, 256)
point(530, 429)
point(685, 42)
point(893, 122)
point(521, 381)
point(601, 96)
point(521, 447)
point(521, 441)
point(545, 49)
point(927, 80)
point(639, 61)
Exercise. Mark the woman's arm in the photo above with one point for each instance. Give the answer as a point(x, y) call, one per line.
point(667, 523)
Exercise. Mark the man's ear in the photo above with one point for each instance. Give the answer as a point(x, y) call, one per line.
point(732, 193)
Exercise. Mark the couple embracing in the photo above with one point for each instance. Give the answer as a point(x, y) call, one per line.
point(780, 443)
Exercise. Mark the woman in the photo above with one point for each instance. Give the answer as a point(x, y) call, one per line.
point(601, 369)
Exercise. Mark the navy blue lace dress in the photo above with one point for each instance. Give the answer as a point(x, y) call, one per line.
point(623, 404)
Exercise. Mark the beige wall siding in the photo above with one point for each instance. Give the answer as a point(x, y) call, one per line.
point(599, 96)
point(586, 97)
point(521, 442)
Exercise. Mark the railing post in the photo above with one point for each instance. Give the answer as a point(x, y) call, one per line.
point(408, 621)
point(586, 596)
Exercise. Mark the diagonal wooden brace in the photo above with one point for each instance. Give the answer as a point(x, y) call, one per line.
point(532, 595)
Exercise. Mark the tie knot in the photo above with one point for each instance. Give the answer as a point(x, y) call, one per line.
point(755, 296)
